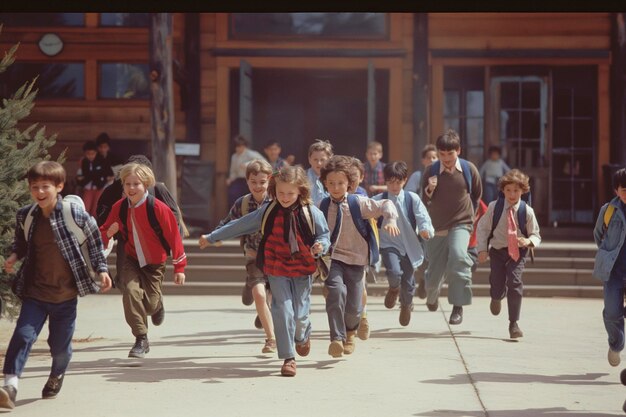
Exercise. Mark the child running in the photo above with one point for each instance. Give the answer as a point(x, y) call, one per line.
point(294, 233)
point(258, 173)
point(147, 247)
point(353, 246)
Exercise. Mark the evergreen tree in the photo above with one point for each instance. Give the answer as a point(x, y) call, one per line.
point(20, 149)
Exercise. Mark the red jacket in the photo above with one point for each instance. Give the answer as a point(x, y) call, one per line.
point(150, 249)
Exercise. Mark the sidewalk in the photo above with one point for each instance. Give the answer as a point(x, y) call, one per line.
point(206, 360)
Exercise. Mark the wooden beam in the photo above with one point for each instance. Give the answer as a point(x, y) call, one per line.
point(604, 133)
point(436, 100)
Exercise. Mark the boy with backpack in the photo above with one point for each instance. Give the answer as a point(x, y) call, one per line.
point(610, 264)
point(403, 254)
point(352, 246)
point(451, 190)
point(150, 231)
point(54, 272)
point(510, 227)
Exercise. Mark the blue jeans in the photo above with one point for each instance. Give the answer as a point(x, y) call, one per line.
point(291, 301)
point(345, 295)
point(613, 313)
point(399, 274)
point(62, 321)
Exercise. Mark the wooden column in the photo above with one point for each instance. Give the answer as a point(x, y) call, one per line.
point(604, 134)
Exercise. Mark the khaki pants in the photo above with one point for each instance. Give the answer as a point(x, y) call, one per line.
point(141, 293)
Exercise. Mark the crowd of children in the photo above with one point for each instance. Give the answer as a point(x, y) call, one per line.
point(335, 221)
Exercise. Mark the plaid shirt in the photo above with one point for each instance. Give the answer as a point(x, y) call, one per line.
point(250, 241)
point(374, 176)
point(68, 244)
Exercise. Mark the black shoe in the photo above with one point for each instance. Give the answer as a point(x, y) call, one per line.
point(158, 316)
point(246, 295)
point(457, 315)
point(433, 307)
point(421, 289)
point(140, 348)
point(7, 397)
point(52, 387)
point(257, 322)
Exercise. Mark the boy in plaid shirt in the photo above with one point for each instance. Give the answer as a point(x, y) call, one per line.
point(374, 181)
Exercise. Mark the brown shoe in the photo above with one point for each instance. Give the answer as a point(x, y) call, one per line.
point(495, 306)
point(348, 345)
point(288, 368)
point(269, 346)
point(433, 307)
point(364, 329)
point(405, 314)
point(391, 297)
point(303, 349)
point(335, 349)
point(514, 330)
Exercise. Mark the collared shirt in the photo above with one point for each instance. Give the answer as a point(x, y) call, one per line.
point(500, 233)
point(407, 243)
point(318, 193)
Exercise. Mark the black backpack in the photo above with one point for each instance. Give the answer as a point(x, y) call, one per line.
point(154, 223)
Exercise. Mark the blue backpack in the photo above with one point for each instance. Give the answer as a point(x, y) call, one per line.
point(408, 205)
point(364, 226)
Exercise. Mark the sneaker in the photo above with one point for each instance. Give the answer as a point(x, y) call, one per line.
point(456, 317)
point(335, 349)
point(140, 348)
point(158, 316)
point(495, 306)
point(421, 288)
point(405, 314)
point(52, 387)
point(614, 357)
point(433, 307)
point(7, 397)
point(288, 368)
point(514, 330)
point(391, 297)
point(246, 295)
point(349, 344)
point(269, 346)
point(257, 322)
point(303, 349)
point(364, 329)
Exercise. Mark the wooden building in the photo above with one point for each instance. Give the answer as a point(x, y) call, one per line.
point(539, 85)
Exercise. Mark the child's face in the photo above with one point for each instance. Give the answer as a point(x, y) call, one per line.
point(44, 193)
point(239, 149)
point(621, 193)
point(373, 155)
point(286, 194)
point(91, 154)
point(429, 158)
point(134, 188)
point(257, 184)
point(103, 149)
point(494, 156)
point(512, 193)
point(317, 160)
point(337, 184)
point(448, 158)
point(394, 186)
point(272, 152)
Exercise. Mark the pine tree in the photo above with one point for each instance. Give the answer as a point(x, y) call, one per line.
point(20, 149)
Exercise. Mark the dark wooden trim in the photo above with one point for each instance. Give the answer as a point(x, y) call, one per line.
point(420, 86)
point(350, 53)
point(521, 53)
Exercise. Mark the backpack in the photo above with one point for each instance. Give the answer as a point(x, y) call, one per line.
point(72, 227)
point(366, 227)
point(467, 175)
point(154, 222)
point(521, 219)
point(610, 210)
point(408, 205)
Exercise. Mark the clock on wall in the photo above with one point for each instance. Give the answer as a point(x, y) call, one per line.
point(50, 44)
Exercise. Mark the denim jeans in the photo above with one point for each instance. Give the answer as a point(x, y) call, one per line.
point(345, 295)
point(61, 323)
point(291, 301)
point(613, 313)
point(399, 274)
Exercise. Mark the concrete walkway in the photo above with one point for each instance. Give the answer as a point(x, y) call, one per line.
point(206, 360)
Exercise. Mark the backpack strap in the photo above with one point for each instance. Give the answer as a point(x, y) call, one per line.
point(379, 221)
point(324, 204)
point(364, 227)
point(154, 223)
point(521, 218)
point(435, 169)
point(497, 213)
point(28, 221)
point(266, 214)
point(245, 204)
point(408, 205)
point(70, 223)
point(308, 215)
point(607, 215)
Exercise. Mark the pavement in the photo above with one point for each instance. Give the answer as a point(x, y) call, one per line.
point(206, 360)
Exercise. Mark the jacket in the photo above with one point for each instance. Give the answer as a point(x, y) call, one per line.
point(609, 242)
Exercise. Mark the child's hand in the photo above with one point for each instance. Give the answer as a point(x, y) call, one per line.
point(316, 249)
point(204, 243)
point(432, 184)
point(113, 229)
point(9, 262)
point(105, 282)
point(424, 234)
point(483, 256)
point(179, 278)
point(523, 242)
point(392, 230)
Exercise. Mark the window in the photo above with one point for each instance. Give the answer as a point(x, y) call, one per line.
point(309, 25)
point(133, 20)
point(42, 19)
point(124, 81)
point(56, 80)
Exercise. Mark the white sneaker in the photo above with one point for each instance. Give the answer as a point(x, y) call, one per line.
point(614, 357)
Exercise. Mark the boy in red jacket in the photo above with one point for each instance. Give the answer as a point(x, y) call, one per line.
point(147, 247)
